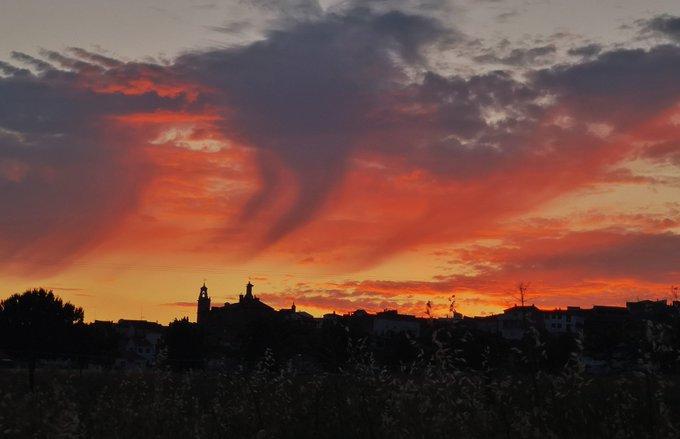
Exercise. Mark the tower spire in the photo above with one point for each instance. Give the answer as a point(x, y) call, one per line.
point(203, 304)
point(249, 291)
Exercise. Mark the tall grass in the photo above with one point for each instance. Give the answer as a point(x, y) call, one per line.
point(434, 396)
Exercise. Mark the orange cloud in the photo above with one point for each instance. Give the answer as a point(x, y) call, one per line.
point(165, 117)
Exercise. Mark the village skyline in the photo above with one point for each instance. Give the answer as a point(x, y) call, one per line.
point(523, 295)
point(38, 327)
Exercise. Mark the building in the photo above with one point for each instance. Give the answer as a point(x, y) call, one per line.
point(488, 324)
point(569, 321)
point(657, 310)
point(390, 322)
point(516, 321)
point(248, 305)
point(203, 305)
point(237, 324)
point(293, 315)
point(139, 343)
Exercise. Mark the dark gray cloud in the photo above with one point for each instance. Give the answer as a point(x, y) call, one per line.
point(620, 86)
point(36, 63)
point(305, 96)
point(665, 25)
point(520, 57)
point(295, 10)
point(647, 257)
point(233, 27)
point(457, 139)
point(96, 58)
point(11, 70)
point(587, 51)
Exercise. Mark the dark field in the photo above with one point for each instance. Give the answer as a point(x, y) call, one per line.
point(362, 401)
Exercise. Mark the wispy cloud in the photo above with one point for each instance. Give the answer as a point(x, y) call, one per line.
point(180, 304)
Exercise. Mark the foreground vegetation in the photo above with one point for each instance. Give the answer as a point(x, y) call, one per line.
point(425, 399)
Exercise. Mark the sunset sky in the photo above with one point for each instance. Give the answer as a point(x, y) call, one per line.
point(339, 154)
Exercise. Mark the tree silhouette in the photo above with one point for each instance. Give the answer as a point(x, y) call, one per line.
point(522, 293)
point(185, 345)
point(37, 324)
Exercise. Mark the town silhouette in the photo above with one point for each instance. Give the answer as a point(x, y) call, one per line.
point(527, 372)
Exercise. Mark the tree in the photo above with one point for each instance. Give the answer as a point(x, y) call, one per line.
point(185, 345)
point(522, 293)
point(37, 324)
point(95, 343)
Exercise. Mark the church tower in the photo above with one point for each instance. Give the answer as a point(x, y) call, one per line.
point(249, 297)
point(249, 291)
point(203, 305)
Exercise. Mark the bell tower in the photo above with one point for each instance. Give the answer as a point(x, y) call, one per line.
point(203, 305)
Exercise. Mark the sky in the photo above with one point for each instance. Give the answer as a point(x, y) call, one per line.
point(340, 155)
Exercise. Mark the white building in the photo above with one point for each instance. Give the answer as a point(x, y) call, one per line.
point(569, 321)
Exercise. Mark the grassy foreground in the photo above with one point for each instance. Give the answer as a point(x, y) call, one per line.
point(424, 400)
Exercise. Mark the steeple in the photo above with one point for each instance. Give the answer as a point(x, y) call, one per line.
point(249, 291)
point(203, 305)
